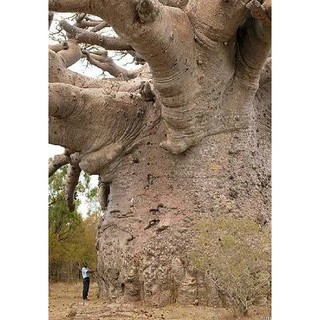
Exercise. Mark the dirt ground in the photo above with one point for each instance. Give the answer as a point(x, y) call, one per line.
point(65, 302)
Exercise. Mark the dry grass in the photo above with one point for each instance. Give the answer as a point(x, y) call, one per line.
point(65, 302)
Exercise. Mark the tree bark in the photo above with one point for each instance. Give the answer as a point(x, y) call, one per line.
point(156, 199)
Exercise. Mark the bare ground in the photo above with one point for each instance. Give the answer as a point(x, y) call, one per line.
point(65, 302)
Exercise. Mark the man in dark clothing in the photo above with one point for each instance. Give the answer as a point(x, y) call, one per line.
point(86, 281)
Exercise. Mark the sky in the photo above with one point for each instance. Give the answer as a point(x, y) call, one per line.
point(53, 150)
point(295, 161)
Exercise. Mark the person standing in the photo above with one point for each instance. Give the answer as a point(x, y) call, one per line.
point(86, 281)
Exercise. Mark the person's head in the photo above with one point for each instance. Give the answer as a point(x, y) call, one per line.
point(85, 265)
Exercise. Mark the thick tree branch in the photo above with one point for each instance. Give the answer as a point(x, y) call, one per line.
point(59, 46)
point(72, 180)
point(72, 54)
point(80, 17)
point(165, 37)
point(104, 191)
point(59, 73)
point(216, 21)
point(98, 125)
point(63, 101)
point(100, 26)
point(86, 22)
point(71, 5)
point(90, 37)
point(107, 64)
point(162, 35)
point(254, 44)
point(260, 11)
point(57, 162)
point(168, 38)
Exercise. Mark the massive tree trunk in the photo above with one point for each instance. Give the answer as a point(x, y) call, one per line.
point(191, 142)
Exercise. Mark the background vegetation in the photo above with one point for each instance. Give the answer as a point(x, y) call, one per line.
point(71, 236)
point(236, 254)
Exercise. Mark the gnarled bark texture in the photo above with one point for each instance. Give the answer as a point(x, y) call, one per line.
point(197, 146)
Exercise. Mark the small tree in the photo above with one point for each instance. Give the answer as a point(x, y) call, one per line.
point(87, 238)
point(236, 252)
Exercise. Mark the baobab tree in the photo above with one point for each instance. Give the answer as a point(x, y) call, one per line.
point(185, 137)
